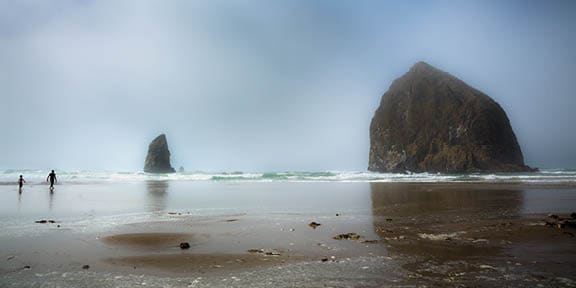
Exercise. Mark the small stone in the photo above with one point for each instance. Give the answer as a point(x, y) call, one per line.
point(86, 267)
point(44, 221)
point(573, 215)
point(314, 224)
point(337, 214)
point(348, 236)
point(388, 219)
point(184, 245)
point(324, 259)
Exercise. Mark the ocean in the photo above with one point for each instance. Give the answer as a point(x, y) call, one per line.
point(38, 176)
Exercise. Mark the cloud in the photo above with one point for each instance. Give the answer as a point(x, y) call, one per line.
point(258, 85)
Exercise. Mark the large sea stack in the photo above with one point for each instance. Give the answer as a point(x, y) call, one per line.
point(158, 158)
point(431, 121)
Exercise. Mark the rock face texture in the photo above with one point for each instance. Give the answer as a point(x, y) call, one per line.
point(158, 158)
point(431, 121)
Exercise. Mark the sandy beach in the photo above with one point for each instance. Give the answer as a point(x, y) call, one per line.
point(258, 235)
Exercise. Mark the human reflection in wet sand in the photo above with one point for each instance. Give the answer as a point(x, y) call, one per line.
point(51, 199)
point(19, 200)
point(157, 194)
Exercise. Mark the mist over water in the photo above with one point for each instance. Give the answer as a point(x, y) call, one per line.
point(264, 86)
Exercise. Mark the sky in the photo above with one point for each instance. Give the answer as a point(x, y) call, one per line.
point(260, 85)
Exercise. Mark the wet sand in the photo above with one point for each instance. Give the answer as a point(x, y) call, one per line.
point(148, 240)
point(471, 234)
point(463, 235)
point(169, 257)
point(475, 235)
point(223, 244)
point(185, 263)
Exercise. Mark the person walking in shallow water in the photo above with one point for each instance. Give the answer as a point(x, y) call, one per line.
point(52, 178)
point(21, 182)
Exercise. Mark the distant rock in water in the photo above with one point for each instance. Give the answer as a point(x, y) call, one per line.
point(181, 169)
point(158, 159)
point(431, 121)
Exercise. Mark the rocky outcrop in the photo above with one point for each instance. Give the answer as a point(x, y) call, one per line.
point(431, 121)
point(158, 158)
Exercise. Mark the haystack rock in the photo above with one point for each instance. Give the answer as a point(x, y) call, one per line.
point(158, 159)
point(431, 121)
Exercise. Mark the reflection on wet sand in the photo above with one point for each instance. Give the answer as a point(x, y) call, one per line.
point(468, 234)
point(51, 200)
point(157, 194)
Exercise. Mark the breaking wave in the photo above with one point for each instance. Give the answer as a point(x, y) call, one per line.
point(35, 176)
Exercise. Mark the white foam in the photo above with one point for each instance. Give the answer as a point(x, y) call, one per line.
point(36, 177)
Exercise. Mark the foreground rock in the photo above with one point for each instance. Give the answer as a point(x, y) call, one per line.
point(430, 121)
point(313, 224)
point(347, 236)
point(560, 222)
point(158, 158)
point(44, 221)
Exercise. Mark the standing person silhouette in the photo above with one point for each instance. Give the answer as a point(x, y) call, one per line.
point(52, 178)
point(21, 182)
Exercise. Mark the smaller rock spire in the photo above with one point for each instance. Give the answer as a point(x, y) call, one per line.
point(158, 158)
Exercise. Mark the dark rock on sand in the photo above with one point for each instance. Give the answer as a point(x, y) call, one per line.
point(431, 121)
point(86, 267)
point(44, 221)
point(348, 236)
point(158, 158)
point(560, 222)
point(314, 224)
point(184, 245)
point(268, 252)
